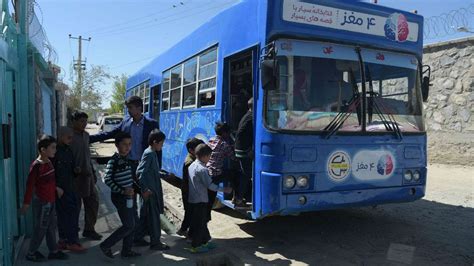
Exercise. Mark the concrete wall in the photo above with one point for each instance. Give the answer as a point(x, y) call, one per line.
point(449, 110)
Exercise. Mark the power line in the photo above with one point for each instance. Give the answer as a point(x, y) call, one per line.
point(106, 28)
point(133, 62)
point(157, 23)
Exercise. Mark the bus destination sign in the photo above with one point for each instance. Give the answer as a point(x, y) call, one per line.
point(394, 27)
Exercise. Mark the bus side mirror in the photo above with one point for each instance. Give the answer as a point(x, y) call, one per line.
point(425, 88)
point(425, 83)
point(269, 74)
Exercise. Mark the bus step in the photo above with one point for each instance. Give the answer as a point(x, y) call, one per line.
point(229, 203)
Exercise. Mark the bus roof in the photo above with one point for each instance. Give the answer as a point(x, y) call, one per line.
point(306, 19)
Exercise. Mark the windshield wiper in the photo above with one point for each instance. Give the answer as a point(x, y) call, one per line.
point(351, 106)
point(390, 123)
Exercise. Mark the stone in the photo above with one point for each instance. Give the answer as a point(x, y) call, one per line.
point(448, 84)
point(442, 98)
point(459, 100)
point(466, 63)
point(436, 127)
point(465, 114)
point(458, 87)
point(465, 52)
point(468, 84)
point(448, 111)
point(454, 73)
point(446, 61)
point(428, 114)
point(453, 52)
point(438, 117)
point(457, 127)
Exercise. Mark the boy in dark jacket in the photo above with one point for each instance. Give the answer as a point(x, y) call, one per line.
point(191, 145)
point(67, 206)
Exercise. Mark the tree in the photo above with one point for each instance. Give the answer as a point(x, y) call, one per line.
point(88, 96)
point(118, 94)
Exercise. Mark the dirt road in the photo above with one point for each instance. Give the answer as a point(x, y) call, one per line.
point(437, 230)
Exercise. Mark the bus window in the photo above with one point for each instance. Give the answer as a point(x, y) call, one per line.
point(190, 79)
point(189, 96)
point(156, 102)
point(165, 96)
point(208, 98)
point(207, 77)
point(176, 74)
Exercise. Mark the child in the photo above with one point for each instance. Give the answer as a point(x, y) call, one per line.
point(199, 183)
point(221, 150)
point(191, 145)
point(148, 173)
point(67, 206)
point(118, 176)
point(41, 181)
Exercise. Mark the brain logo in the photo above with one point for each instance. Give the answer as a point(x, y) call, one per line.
point(385, 165)
point(396, 27)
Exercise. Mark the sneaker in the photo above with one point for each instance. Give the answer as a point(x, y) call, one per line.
point(92, 235)
point(76, 247)
point(130, 254)
point(210, 245)
point(61, 244)
point(36, 256)
point(106, 251)
point(58, 256)
point(200, 249)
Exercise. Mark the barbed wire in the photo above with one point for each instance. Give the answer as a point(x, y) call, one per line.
point(448, 23)
point(38, 34)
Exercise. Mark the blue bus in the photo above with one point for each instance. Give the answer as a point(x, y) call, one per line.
point(338, 89)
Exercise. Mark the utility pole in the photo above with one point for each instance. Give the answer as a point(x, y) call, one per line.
point(79, 64)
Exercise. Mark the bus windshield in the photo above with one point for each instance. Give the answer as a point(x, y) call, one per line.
point(317, 81)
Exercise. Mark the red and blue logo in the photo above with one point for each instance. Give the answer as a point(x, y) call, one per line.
point(385, 165)
point(396, 27)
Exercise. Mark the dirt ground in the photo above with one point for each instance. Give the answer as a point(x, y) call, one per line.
point(436, 230)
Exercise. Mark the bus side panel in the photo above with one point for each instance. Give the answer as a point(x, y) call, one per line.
point(178, 127)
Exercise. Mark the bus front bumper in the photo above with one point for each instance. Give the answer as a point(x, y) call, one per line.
point(314, 201)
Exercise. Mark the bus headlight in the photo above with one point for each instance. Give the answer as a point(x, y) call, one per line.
point(407, 175)
point(416, 175)
point(289, 182)
point(302, 181)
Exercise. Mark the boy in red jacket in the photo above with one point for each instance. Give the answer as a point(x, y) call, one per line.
point(41, 189)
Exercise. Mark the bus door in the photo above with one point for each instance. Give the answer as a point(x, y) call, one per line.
point(240, 73)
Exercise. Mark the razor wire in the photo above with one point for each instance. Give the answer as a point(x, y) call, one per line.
point(37, 33)
point(448, 23)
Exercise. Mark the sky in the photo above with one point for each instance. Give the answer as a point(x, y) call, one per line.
point(127, 34)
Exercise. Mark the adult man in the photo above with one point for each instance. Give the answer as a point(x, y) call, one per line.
point(243, 151)
point(139, 127)
point(85, 181)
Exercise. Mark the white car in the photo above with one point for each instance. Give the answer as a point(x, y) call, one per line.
point(110, 122)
